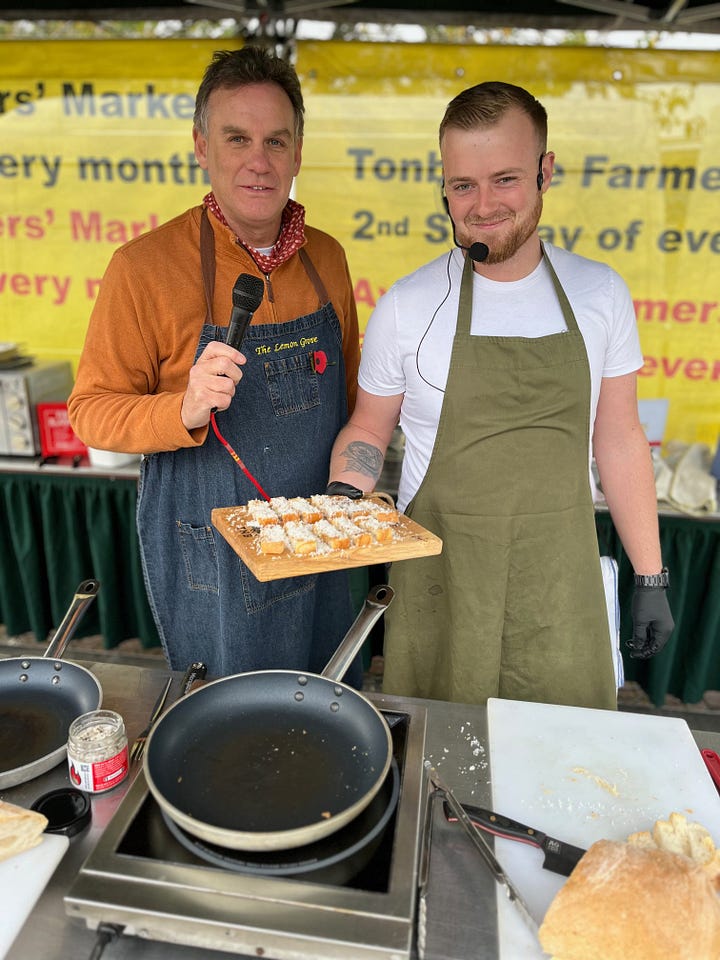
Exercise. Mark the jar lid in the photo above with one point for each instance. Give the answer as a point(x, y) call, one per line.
point(67, 811)
point(102, 720)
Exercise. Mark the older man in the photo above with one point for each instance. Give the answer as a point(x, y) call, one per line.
point(156, 371)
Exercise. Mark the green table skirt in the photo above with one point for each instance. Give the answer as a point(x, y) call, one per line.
point(62, 529)
point(59, 530)
point(690, 663)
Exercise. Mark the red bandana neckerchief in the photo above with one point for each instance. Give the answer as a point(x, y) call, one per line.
point(292, 234)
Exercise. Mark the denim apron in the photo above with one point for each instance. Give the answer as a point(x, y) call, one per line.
point(514, 605)
point(282, 421)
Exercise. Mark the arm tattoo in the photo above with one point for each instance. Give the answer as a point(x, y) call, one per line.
point(363, 458)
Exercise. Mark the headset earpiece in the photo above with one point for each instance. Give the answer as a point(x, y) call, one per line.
point(445, 203)
point(540, 177)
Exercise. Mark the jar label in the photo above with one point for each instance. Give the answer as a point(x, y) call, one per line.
point(101, 775)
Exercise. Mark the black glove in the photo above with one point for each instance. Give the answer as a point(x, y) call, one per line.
point(652, 622)
point(338, 489)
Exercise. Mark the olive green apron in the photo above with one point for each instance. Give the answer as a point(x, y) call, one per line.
point(514, 605)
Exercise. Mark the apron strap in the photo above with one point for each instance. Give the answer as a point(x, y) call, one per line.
point(567, 310)
point(464, 313)
point(314, 277)
point(207, 261)
point(464, 321)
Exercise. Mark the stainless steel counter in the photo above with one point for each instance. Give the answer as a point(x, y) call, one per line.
point(63, 466)
point(460, 920)
point(456, 743)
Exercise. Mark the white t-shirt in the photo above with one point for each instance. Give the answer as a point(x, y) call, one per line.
point(408, 341)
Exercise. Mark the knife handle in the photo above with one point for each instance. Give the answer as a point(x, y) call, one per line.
point(498, 825)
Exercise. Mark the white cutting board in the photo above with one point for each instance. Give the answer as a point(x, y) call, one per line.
point(582, 775)
point(22, 879)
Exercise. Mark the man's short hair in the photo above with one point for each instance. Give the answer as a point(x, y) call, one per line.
point(486, 103)
point(238, 68)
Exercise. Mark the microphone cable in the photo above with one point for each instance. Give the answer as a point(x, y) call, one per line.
point(236, 458)
point(432, 320)
point(247, 296)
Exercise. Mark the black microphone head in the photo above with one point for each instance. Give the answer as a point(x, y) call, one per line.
point(478, 251)
point(248, 292)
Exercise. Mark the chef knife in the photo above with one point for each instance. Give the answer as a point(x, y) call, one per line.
point(559, 857)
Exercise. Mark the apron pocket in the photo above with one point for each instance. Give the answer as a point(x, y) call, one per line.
point(292, 384)
point(197, 547)
point(262, 596)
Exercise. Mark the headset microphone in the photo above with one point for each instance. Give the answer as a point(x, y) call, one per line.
point(477, 251)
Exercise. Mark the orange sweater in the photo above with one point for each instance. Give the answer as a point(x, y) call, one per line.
point(147, 319)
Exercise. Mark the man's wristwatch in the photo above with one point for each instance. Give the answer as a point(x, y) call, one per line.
point(661, 579)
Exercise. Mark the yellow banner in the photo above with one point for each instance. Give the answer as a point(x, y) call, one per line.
point(95, 147)
point(636, 137)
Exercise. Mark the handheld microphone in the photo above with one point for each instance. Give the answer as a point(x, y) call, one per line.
point(246, 298)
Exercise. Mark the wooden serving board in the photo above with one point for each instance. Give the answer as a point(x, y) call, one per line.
point(411, 540)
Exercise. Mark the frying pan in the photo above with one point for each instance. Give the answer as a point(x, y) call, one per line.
point(273, 759)
point(41, 696)
point(335, 859)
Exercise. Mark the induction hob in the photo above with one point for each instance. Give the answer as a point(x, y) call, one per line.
point(141, 878)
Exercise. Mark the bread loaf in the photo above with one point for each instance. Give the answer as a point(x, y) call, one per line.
point(629, 901)
point(678, 835)
point(20, 829)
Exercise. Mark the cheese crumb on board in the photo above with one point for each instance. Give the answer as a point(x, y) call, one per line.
point(603, 784)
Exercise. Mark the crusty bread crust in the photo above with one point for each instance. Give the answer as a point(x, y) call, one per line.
point(626, 901)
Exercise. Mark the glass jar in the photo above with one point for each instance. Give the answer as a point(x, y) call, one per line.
point(97, 751)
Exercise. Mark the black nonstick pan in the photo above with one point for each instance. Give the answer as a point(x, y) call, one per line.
point(273, 759)
point(335, 859)
point(40, 697)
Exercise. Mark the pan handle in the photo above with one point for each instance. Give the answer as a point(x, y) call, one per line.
point(84, 596)
point(376, 603)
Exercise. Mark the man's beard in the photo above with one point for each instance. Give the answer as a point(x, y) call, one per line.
point(506, 247)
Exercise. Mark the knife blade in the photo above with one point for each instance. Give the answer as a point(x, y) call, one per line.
point(559, 857)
